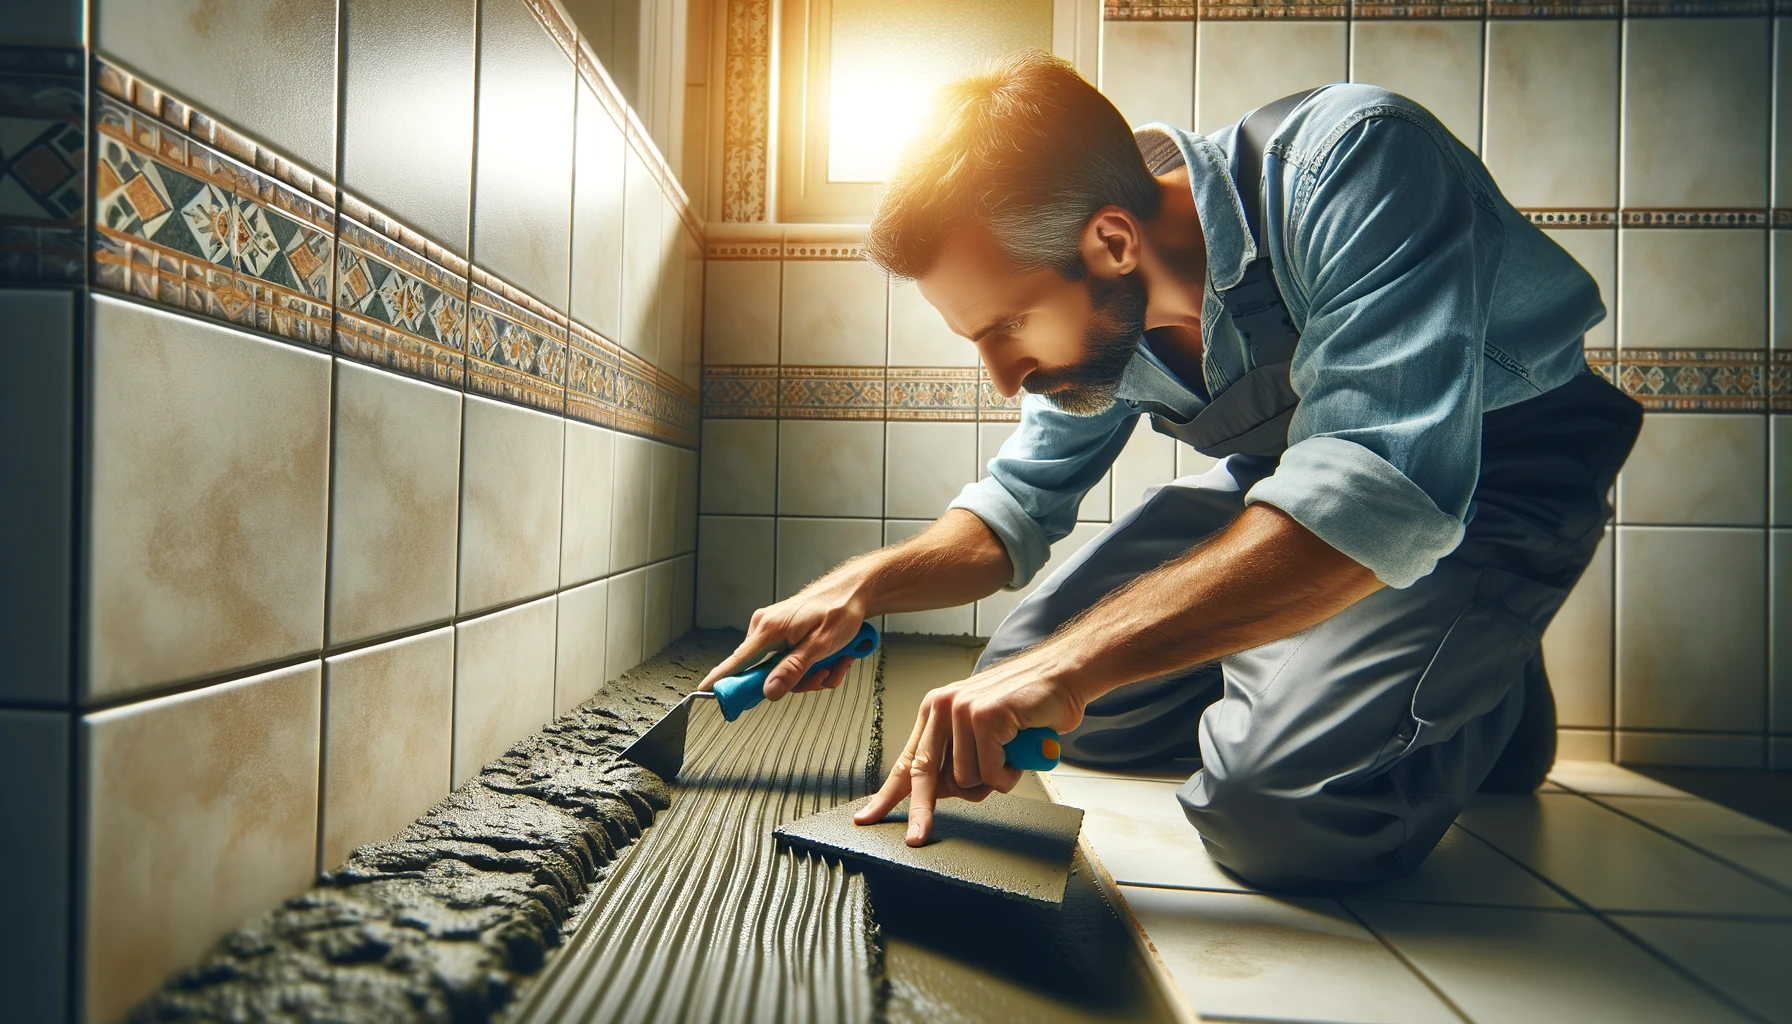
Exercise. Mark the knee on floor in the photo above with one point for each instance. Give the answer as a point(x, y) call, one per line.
point(1288, 841)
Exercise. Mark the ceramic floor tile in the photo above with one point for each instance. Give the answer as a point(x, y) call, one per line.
point(503, 682)
point(1241, 956)
point(1747, 842)
point(1503, 965)
point(1176, 771)
point(579, 636)
point(510, 503)
point(1745, 960)
point(1600, 778)
point(1139, 832)
point(586, 503)
point(34, 974)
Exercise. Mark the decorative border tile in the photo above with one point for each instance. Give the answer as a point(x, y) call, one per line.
point(740, 392)
point(1696, 8)
point(514, 352)
point(768, 249)
point(1779, 380)
point(548, 13)
point(396, 309)
point(591, 374)
point(1556, 9)
point(1148, 10)
point(652, 403)
point(1579, 217)
point(1368, 10)
point(746, 110)
point(1696, 218)
point(991, 406)
point(832, 250)
point(831, 392)
point(932, 393)
point(1696, 380)
point(43, 170)
point(1234, 10)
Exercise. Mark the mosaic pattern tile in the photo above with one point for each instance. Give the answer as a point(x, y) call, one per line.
point(652, 403)
point(740, 392)
point(1695, 380)
point(180, 224)
point(1229, 10)
point(1385, 9)
point(591, 376)
point(514, 353)
point(831, 393)
point(398, 310)
point(932, 393)
point(746, 109)
point(43, 159)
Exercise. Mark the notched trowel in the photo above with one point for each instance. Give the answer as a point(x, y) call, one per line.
point(660, 749)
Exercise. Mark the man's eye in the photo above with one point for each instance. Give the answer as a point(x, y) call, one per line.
point(1012, 325)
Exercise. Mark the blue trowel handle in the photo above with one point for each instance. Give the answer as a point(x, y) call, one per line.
point(738, 693)
point(1033, 750)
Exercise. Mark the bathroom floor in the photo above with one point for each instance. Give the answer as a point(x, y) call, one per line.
point(1607, 896)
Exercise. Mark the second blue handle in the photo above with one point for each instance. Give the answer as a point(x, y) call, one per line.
point(1033, 750)
point(738, 693)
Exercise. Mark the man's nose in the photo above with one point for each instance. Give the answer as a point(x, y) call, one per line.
point(1006, 369)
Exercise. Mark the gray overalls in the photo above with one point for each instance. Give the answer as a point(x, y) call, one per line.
point(1342, 753)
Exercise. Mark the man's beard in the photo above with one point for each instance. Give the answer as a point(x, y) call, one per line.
point(1088, 387)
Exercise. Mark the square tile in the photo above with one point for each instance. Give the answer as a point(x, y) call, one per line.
point(586, 501)
point(1596, 250)
point(1149, 459)
point(990, 439)
point(831, 468)
point(834, 313)
point(1573, 966)
point(208, 500)
point(633, 495)
point(1779, 635)
point(626, 630)
point(809, 548)
point(597, 203)
point(37, 402)
point(684, 594)
point(1782, 286)
point(740, 312)
point(1692, 621)
point(662, 514)
point(1552, 113)
point(919, 335)
point(640, 259)
point(1577, 646)
point(396, 503)
point(739, 466)
point(1691, 749)
point(1745, 960)
point(199, 812)
point(926, 465)
point(522, 202)
point(1692, 288)
point(691, 363)
point(35, 745)
point(1436, 63)
point(580, 644)
point(1138, 831)
point(657, 624)
point(1148, 70)
point(684, 537)
point(1696, 112)
point(1780, 470)
point(510, 504)
point(1696, 469)
point(1745, 842)
point(503, 682)
point(1600, 778)
point(1241, 65)
point(1782, 126)
point(671, 290)
point(959, 621)
point(1251, 957)
point(1584, 744)
point(993, 609)
point(415, 61)
point(217, 58)
point(734, 570)
point(388, 739)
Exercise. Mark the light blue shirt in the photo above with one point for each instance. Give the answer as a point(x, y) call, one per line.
point(1423, 300)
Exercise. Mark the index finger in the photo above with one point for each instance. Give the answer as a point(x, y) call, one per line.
point(924, 778)
point(757, 645)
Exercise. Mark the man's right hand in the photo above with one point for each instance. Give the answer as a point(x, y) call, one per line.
point(819, 620)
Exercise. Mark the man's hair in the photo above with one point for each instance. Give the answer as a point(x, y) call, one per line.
point(1028, 150)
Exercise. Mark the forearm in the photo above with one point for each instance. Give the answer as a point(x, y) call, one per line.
point(955, 561)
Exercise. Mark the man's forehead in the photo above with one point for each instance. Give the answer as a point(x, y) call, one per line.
point(970, 277)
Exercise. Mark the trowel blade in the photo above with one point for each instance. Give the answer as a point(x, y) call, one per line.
point(660, 749)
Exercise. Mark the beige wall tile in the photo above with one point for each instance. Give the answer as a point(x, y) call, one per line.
point(734, 570)
point(1596, 250)
point(662, 514)
point(633, 498)
point(388, 739)
point(1782, 286)
point(640, 260)
point(993, 609)
point(1692, 288)
point(1584, 744)
point(959, 621)
point(200, 812)
point(919, 335)
point(1782, 111)
point(626, 631)
point(671, 304)
point(684, 536)
point(830, 468)
point(395, 505)
point(503, 682)
point(740, 312)
point(1779, 632)
point(834, 313)
point(580, 645)
point(597, 217)
point(1692, 749)
point(927, 464)
point(1577, 646)
point(510, 504)
point(34, 745)
point(1241, 65)
point(684, 594)
point(691, 364)
point(1437, 63)
point(1190, 462)
point(1696, 112)
point(1148, 70)
point(209, 497)
point(1696, 468)
point(586, 502)
point(740, 466)
point(990, 439)
point(1552, 112)
point(657, 624)
point(1148, 459)
point(808, 548)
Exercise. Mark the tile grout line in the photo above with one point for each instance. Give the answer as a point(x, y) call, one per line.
point(1596, 798)
point(81, 404)
point(1425, 979)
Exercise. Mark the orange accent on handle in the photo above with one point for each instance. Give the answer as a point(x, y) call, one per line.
point(1049, 747)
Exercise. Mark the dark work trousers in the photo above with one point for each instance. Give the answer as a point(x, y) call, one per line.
point(1341, 754)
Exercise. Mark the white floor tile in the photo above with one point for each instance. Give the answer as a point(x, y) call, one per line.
point(1737, 838)
point(1463, 869)
point(1139, 832)
point(1745, 960)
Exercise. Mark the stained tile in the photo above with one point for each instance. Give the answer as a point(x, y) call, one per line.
point(1596, 250)
point(597, 217)
point(657, 622)
point(388, 724)
point(1780, 471)
point(1149, 459)
point(1613, 863)
point(633, 494)
point(927, 464)
point(684, 594)
point(586, 501)
point(809, 548)
point(580, 648)
point(1251, 957)
point(394, 514)
point(37, 402)
point(1696, 468)
point(217, 58)
point(209, 494)
point(200, 811)
point(1691, 627)
point(503, 682)
point(1599, 778)
point(522, 202)
point(739, 466)
point(1573, 966)
point(1148, 70)
point(34, 745)
point(919, 335)
point(1695, 112)
point(626, 630)
point(640, 259)
point(1436, 63)
point(959, 621)
point(1582, 745)
point(1746, 842)
point(662, 516)
point(830, 468)
point(1692, 288)
point(1577, 647)
point(1241, 65)
point(1779, 636)
point(734, 569)
point(1552, 113)
point(740, 312)
point(993, 609)
point(834, 313)
point(510, 504)
point(407, 112)
point(1744, 960)
point(684, 534)
point(1691, 749)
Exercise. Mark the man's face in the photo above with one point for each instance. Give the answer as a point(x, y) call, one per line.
point(1066, 340)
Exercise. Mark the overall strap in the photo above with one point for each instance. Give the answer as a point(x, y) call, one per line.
point(1255, 302)
point(1253, 138)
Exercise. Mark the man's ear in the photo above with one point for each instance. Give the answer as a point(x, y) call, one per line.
point(1111, 242)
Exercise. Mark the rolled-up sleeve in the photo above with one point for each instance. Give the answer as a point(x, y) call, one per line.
point(1396, 257)
point(1038, 478)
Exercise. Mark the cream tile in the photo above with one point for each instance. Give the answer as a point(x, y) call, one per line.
point(34, 745)
point(808, 548)
point(657, 626)
point(1139, 832)
point(597, 204)
point(740, 312)
point(503, 682)
point(1573, 966)
point(830, 468)
point(927, 464)
point(1692, 288)
point(959, 621)
point(586, 503)
point(387, 747)
point(1780, 470)
point(1241, 65)
point(684, 594)
point(1782, 285)
point(684, 539)
point(1584, 744)
point(1245, 956)
point(834, 313)
point(1437, 63)
point(1696, 468)
point(1464, 869)
point(1596, 250)
point(1745, 960)
point(1552, 114)
point(1782, 127)
point(640, 260)
point(633, 495)
point(1695, 112)
point(990, 439)
point(1613, 863)
point(394, 514)
point(628, 621)
point(919, 335)
point(37, 402)
point(199, 812)
point(734, 570)
point(1692, 749)
point(691, 362)
point(1600, 778)
point(1177, 770)
point(1692, 619)
point(993, 609)
point(1148, 70)
point(740, 460)
point(1577, 647)
point(1779, 636)
point(208, 499)
point(510, 503)
point(579, 644)
point(1192, 463)
point(671, 304)
point(217, 58)
point(1746, 842)
point(522, 180)
point(1148, 459)
point(662, 514)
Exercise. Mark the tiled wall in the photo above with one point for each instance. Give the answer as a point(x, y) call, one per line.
point(352, 425)
point(840, 414)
